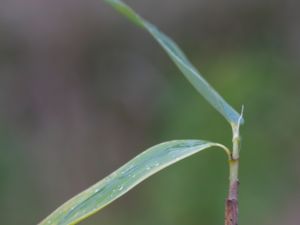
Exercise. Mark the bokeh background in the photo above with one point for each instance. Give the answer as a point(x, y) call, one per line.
point(82, 91)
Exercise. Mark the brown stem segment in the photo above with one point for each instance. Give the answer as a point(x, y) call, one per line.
point(231, 210)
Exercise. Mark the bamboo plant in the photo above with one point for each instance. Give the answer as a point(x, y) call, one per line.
point(162, 155)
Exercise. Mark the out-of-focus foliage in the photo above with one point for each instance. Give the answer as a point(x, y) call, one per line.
point(58, 97)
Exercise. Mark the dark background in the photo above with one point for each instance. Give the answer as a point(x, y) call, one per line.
point(82, 91)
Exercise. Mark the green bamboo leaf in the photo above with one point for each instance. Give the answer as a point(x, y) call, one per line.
point(179, 58)
point(124, 179)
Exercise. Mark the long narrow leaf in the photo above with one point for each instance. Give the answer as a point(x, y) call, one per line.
point(179, 58)
point(124, 179)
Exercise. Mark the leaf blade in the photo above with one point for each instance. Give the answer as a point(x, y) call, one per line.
point(124, 179)
point(182, 62)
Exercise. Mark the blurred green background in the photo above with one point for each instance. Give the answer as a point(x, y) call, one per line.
point(82, 91)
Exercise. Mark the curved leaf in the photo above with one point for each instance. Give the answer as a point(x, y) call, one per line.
point(179, 58)
point(125, 178)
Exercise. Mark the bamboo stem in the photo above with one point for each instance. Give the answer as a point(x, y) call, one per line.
point(231, 207)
